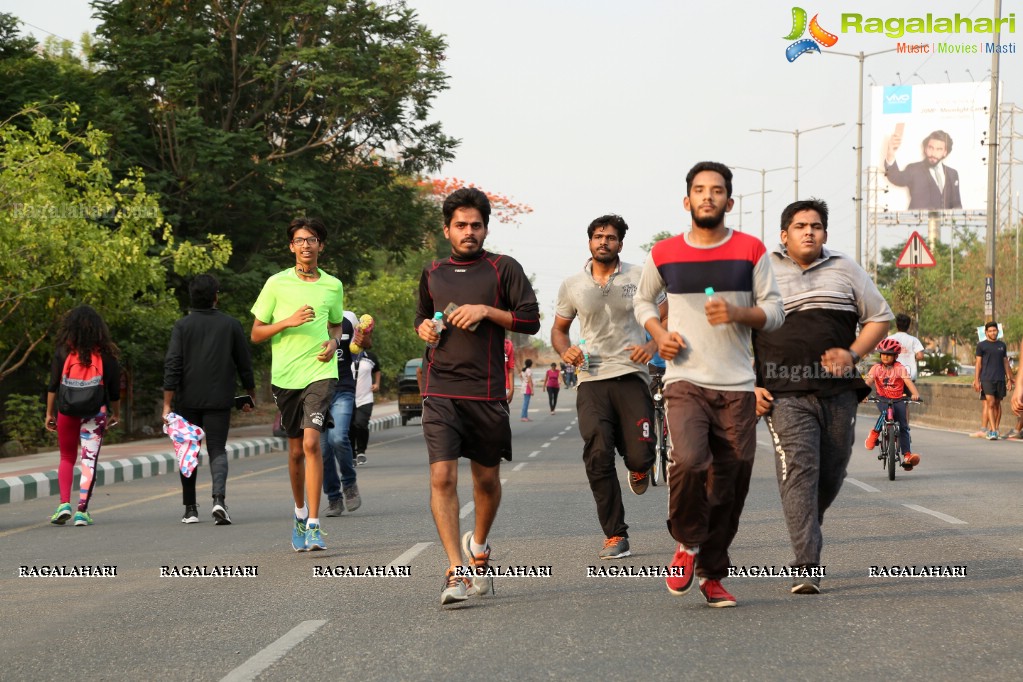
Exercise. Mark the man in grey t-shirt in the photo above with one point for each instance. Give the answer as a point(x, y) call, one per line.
point(614, 403)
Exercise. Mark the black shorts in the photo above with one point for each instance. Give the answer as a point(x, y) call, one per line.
point(993, 388)
point(474, 429)
point(306, 408)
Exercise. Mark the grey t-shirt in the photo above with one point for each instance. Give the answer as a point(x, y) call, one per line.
point(606, 318)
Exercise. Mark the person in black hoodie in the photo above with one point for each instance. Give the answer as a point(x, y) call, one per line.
point(207, 350)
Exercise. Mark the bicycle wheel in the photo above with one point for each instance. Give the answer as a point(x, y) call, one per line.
point(891, 448)
point(660, 449)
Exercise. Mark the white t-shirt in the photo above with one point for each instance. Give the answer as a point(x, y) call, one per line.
point(363, 366)
point(910, 347)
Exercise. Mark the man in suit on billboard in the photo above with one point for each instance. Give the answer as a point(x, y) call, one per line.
point(932, 185)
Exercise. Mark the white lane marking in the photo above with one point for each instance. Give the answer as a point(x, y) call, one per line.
point(518, 467)
point(935, 514)
point(250, 669)
point(861, 484)
point(410, 554)
point(469, 506)
point(534, 453)
point(504, 481)
point(546, 445)
point(554, 438)
point(763, 444)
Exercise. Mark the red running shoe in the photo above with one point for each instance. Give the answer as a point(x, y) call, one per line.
point(683, 564)
point(716, 595)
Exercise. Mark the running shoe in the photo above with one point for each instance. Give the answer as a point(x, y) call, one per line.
point(716, 595)
point(684, 564)
point(911, 458)
point(335, 507)
point(615, 547)
point(1012, 435)
point(992, 435)
point(456, 588)
point(191, 514)
point(220, 515)
point(352, 498)
point(639, 481)
point(807, 585)
point(62, 514)
point(483, 584)
point(82, 518)
point(871, 441)
point(361, 459)
point(298, 535)
point(314, 538)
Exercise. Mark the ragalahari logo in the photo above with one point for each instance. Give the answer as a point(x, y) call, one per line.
point(817, 35)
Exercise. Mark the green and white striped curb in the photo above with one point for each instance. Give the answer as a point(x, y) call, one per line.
point(44, 484)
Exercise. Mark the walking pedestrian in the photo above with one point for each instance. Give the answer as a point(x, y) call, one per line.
point(84, 357)
point(207, 353)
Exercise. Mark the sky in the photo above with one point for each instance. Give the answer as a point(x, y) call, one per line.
point(584, 107)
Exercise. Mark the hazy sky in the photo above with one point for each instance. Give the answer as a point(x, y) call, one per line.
point(580, 108)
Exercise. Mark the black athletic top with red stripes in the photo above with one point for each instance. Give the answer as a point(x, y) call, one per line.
point(470, 365)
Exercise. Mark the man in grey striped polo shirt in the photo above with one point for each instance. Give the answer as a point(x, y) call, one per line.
point(808, 385)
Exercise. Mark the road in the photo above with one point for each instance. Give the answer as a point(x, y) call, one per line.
point(285, 623)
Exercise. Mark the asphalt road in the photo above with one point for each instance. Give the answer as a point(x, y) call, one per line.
point(285, 623)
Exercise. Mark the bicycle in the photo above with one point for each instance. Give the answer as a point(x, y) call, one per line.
point(659, 471)
point(888, 439)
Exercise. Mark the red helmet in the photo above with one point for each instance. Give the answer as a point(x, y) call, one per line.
point(889, 346)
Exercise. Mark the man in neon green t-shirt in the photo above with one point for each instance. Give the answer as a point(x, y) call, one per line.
point(300, 310)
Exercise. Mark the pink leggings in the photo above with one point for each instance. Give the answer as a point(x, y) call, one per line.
point(76, 435)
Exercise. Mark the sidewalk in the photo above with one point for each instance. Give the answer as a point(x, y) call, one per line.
point(32, 476)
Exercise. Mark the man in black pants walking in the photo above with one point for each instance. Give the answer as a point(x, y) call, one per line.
point(207, 350)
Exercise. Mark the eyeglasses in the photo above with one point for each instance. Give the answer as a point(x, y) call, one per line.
point(300, 241)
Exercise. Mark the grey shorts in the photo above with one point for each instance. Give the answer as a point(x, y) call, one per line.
point(305, 408)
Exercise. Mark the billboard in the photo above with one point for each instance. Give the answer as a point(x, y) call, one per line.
point(929, 142)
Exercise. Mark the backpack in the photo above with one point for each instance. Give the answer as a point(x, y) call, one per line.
point(81, 392)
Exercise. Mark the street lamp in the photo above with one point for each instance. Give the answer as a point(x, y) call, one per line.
point(859, 56)
point(763, 181)
point(749, 194)
point(796, 133)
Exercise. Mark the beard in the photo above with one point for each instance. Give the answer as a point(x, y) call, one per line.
point(605, 258)
point(708, 222)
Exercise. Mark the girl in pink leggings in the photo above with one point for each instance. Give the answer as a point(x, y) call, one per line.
point(83, 332)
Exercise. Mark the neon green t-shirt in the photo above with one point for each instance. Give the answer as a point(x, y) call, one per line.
point(294, 350)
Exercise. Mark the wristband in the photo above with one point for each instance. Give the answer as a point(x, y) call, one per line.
point(855, 356)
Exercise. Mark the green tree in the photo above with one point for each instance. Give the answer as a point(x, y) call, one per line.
point(244, 114)
point(664, 234)
point(70, 233)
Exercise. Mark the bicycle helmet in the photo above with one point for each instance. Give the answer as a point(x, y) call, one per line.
point(889, 346)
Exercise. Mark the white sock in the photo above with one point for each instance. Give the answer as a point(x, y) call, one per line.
point(301, 513)
point(476, 548)
point(312, 522)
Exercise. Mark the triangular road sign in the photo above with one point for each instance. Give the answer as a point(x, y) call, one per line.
point(916, 254)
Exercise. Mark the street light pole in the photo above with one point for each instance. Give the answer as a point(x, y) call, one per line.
point(763, 183)
point(860, 56)
point(796, 133)
point(762, 192)
point(992, 177)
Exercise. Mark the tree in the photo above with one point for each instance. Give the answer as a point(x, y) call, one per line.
point(71, 233)
point(501, 206)
point(663, 234)
point(246, 113)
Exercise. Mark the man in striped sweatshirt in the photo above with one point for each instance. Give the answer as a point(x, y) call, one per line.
point(720, 287)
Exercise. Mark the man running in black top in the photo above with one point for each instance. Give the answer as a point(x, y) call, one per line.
point(465, 410)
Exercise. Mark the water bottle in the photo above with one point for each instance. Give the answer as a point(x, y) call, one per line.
point(438, 326)
point(585, 367)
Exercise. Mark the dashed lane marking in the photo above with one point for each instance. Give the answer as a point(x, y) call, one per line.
point(250, 669)
point(410, 554)
point(861, 484)
point(935, 514)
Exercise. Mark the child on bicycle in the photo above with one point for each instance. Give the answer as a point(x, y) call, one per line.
point(890, 379)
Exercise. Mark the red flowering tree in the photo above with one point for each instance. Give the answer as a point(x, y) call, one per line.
point(502, 207)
